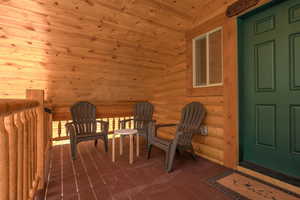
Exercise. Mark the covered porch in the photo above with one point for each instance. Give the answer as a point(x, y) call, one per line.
point(236, 59)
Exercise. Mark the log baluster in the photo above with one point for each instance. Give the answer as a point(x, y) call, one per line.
point(29, 153)
point(33, 136)
point(50, 130)
point(25, 122)
point(32, 147)
point(67, 133)
point(4, 161)
point(13, 155)
point(59, 129)
point(34, 139)
point(20, 128)
point(114, 124)
point(128, 124)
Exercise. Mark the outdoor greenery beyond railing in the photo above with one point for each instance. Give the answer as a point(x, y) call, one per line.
point(59, 130)
point(24, 143)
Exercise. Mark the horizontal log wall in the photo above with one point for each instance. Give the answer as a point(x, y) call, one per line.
point(79, 50)
point(170, 97)
point(172, 91)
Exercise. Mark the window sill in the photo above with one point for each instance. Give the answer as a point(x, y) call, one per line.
point(205, 91)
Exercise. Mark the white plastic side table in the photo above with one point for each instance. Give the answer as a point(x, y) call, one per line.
point(123, 132)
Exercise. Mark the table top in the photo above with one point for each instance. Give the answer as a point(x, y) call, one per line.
point(125, 131)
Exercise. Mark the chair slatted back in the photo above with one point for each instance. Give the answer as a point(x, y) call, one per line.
point(142, 111)
point(192, 116)
point(84, 113)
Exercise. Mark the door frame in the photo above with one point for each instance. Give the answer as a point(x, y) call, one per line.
point(241, 162)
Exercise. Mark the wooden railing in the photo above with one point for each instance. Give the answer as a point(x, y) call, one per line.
point(23, 146)
point(59, 130)
point(112, 112)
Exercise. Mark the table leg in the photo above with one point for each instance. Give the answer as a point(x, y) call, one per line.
point(113, 148)
point(137, 145)
point(131, 149)
point(121, 145)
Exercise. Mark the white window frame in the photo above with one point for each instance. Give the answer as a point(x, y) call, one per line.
point(206, 35)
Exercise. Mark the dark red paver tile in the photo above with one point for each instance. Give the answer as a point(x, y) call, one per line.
point(94, 176)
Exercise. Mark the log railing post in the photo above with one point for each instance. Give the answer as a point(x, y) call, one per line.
point(59, 129)
point(38, 95)
point(4, 162)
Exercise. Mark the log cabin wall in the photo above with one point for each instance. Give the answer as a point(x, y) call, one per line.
point(170, 97)
point(221, 144)
point(83, 50)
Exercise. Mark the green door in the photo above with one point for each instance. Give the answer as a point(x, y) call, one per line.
point(269, 88)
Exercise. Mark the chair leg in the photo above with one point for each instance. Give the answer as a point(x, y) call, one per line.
point(194, 156)
point(149, 151)
point(73, 150)
point(147, 142)
point(171, 156)
point(96, 142)
point(167, 155)
point(106, 143)
point(178, 151)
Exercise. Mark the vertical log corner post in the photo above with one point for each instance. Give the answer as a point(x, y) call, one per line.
point(38, 95)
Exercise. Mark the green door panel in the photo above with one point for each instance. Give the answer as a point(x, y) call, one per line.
point(266, 132)
point(264, 58)
point(269, 88)
point(295, 61)
point(295, 129)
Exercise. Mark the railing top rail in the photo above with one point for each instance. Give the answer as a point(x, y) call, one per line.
point(100, 103)
point(103, 110)
point(8, 106)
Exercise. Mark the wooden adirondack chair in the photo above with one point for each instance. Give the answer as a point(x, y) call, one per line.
point(142, 115)
point(84, 126)
point(192, 116)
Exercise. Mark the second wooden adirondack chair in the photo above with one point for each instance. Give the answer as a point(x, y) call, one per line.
point(192, 116)
point(142, 115)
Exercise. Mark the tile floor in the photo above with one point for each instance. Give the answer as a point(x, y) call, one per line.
point(93, 176)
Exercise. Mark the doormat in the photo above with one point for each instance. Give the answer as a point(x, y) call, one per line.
point(243, 187)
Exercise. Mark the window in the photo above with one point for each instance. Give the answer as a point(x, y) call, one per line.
point(207, 59)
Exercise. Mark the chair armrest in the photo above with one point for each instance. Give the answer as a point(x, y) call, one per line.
point(102, 122)
point(153, 127)
point(126, 120)
point(145, 120)
point(164, 125)
point(104, 125)
point(122, 123)
point(192, 129)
